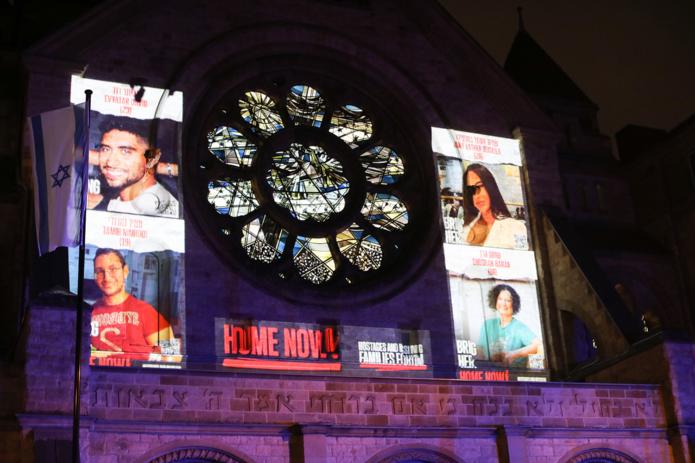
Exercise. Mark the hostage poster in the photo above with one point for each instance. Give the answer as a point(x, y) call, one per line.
point(489, 258)
point(134, 263)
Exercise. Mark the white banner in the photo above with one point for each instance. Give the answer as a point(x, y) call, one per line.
point(119, 99)
point(483, 263)
point(137, 233)
point(476, 147)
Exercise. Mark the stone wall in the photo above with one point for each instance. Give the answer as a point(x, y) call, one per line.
point(136, 416)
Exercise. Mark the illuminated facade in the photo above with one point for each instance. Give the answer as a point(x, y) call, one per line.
point(328, 310)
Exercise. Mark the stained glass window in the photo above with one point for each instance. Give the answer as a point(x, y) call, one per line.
point(305, 105)
point(231, 147)
point(385, 211)
point(351, 125)
point(361, 249)
point(308, 182)
point(313, 259)
point(258, 109)
point(233, 198)
point(382, 166)
point(263, 239)
point(304, 184)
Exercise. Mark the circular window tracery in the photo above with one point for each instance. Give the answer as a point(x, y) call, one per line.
point(311, 184)
point(308, 182)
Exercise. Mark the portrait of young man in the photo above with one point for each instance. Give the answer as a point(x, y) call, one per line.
point(120, 322)
point(128, 165)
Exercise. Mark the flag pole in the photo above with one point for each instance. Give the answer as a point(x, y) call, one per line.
point(80, 282)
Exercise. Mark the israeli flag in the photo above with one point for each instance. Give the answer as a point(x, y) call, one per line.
point(56, 140)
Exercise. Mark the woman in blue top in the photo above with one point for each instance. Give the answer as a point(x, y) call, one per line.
point(506, 339)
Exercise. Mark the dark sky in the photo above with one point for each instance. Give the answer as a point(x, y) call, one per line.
point(634, 58)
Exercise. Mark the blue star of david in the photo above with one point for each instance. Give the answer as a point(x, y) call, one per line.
point(62, 174)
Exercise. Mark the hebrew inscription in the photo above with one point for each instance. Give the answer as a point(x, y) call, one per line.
point(230, 401)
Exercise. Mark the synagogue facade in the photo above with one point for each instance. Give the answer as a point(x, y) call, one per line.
point(338, 231)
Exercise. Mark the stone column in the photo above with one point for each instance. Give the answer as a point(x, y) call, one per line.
point(511, 444)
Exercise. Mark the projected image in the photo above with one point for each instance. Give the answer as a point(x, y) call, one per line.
point(482, 205)
point(371, 351)
point(134, 263)
point(492, 273)
point(487, 219)
point(135, 320)
point(264, 345)
point(504, 338)
point(277, 346)
point(496, 322)
point(128, 170)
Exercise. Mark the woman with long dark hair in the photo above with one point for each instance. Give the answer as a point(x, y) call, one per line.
point(486, 218)
point(504, 338)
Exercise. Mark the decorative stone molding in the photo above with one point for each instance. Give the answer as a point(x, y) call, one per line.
point(601, 455)
point(197, 454)
point(401, 454)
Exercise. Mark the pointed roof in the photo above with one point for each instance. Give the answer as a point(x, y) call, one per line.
point(536, 72)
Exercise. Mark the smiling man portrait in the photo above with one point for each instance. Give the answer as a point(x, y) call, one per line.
point(122, 323)
point(127, 164)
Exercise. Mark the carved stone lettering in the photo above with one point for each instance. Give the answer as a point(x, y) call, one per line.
point(604, 408)
point(554, 404)
point(262, 403)
point(372, 405)
point(136, 396)
point(338, 403)
point(507, 407)
point(532, 408)
point(447, 406)
point(397, 404)
point(101, 394)
point(123, 398)
point(418, 406)
point(493, 409)
point(248, 396)
point(158, 399)
point(283, 400)
point(641, 409)
point(327, 403)
point(355, 399)
point(318, 403)
point(553, 407)
point(181, 397)
point(580, 401)
point(213, 399)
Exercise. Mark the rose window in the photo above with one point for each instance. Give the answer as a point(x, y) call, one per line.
point(308, 184)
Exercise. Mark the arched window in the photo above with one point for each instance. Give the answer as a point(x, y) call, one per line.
point(196, 455)
point(411, 455)
point(582, 344)
point(601, 455)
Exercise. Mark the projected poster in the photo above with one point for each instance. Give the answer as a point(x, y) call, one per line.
point(134, 266)
point(321, 349)
point(492, 271)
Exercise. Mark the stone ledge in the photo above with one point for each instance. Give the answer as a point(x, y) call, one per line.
point(46, 422)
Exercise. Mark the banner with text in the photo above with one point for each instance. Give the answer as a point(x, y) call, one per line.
point(313, 348)
point(134, 263)
point(280, 346)
point(492, 271)
point(371, 351)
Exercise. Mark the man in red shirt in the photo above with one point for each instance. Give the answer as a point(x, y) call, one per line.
point(120, 322)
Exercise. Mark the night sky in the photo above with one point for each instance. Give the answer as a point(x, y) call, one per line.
point(634, 58)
